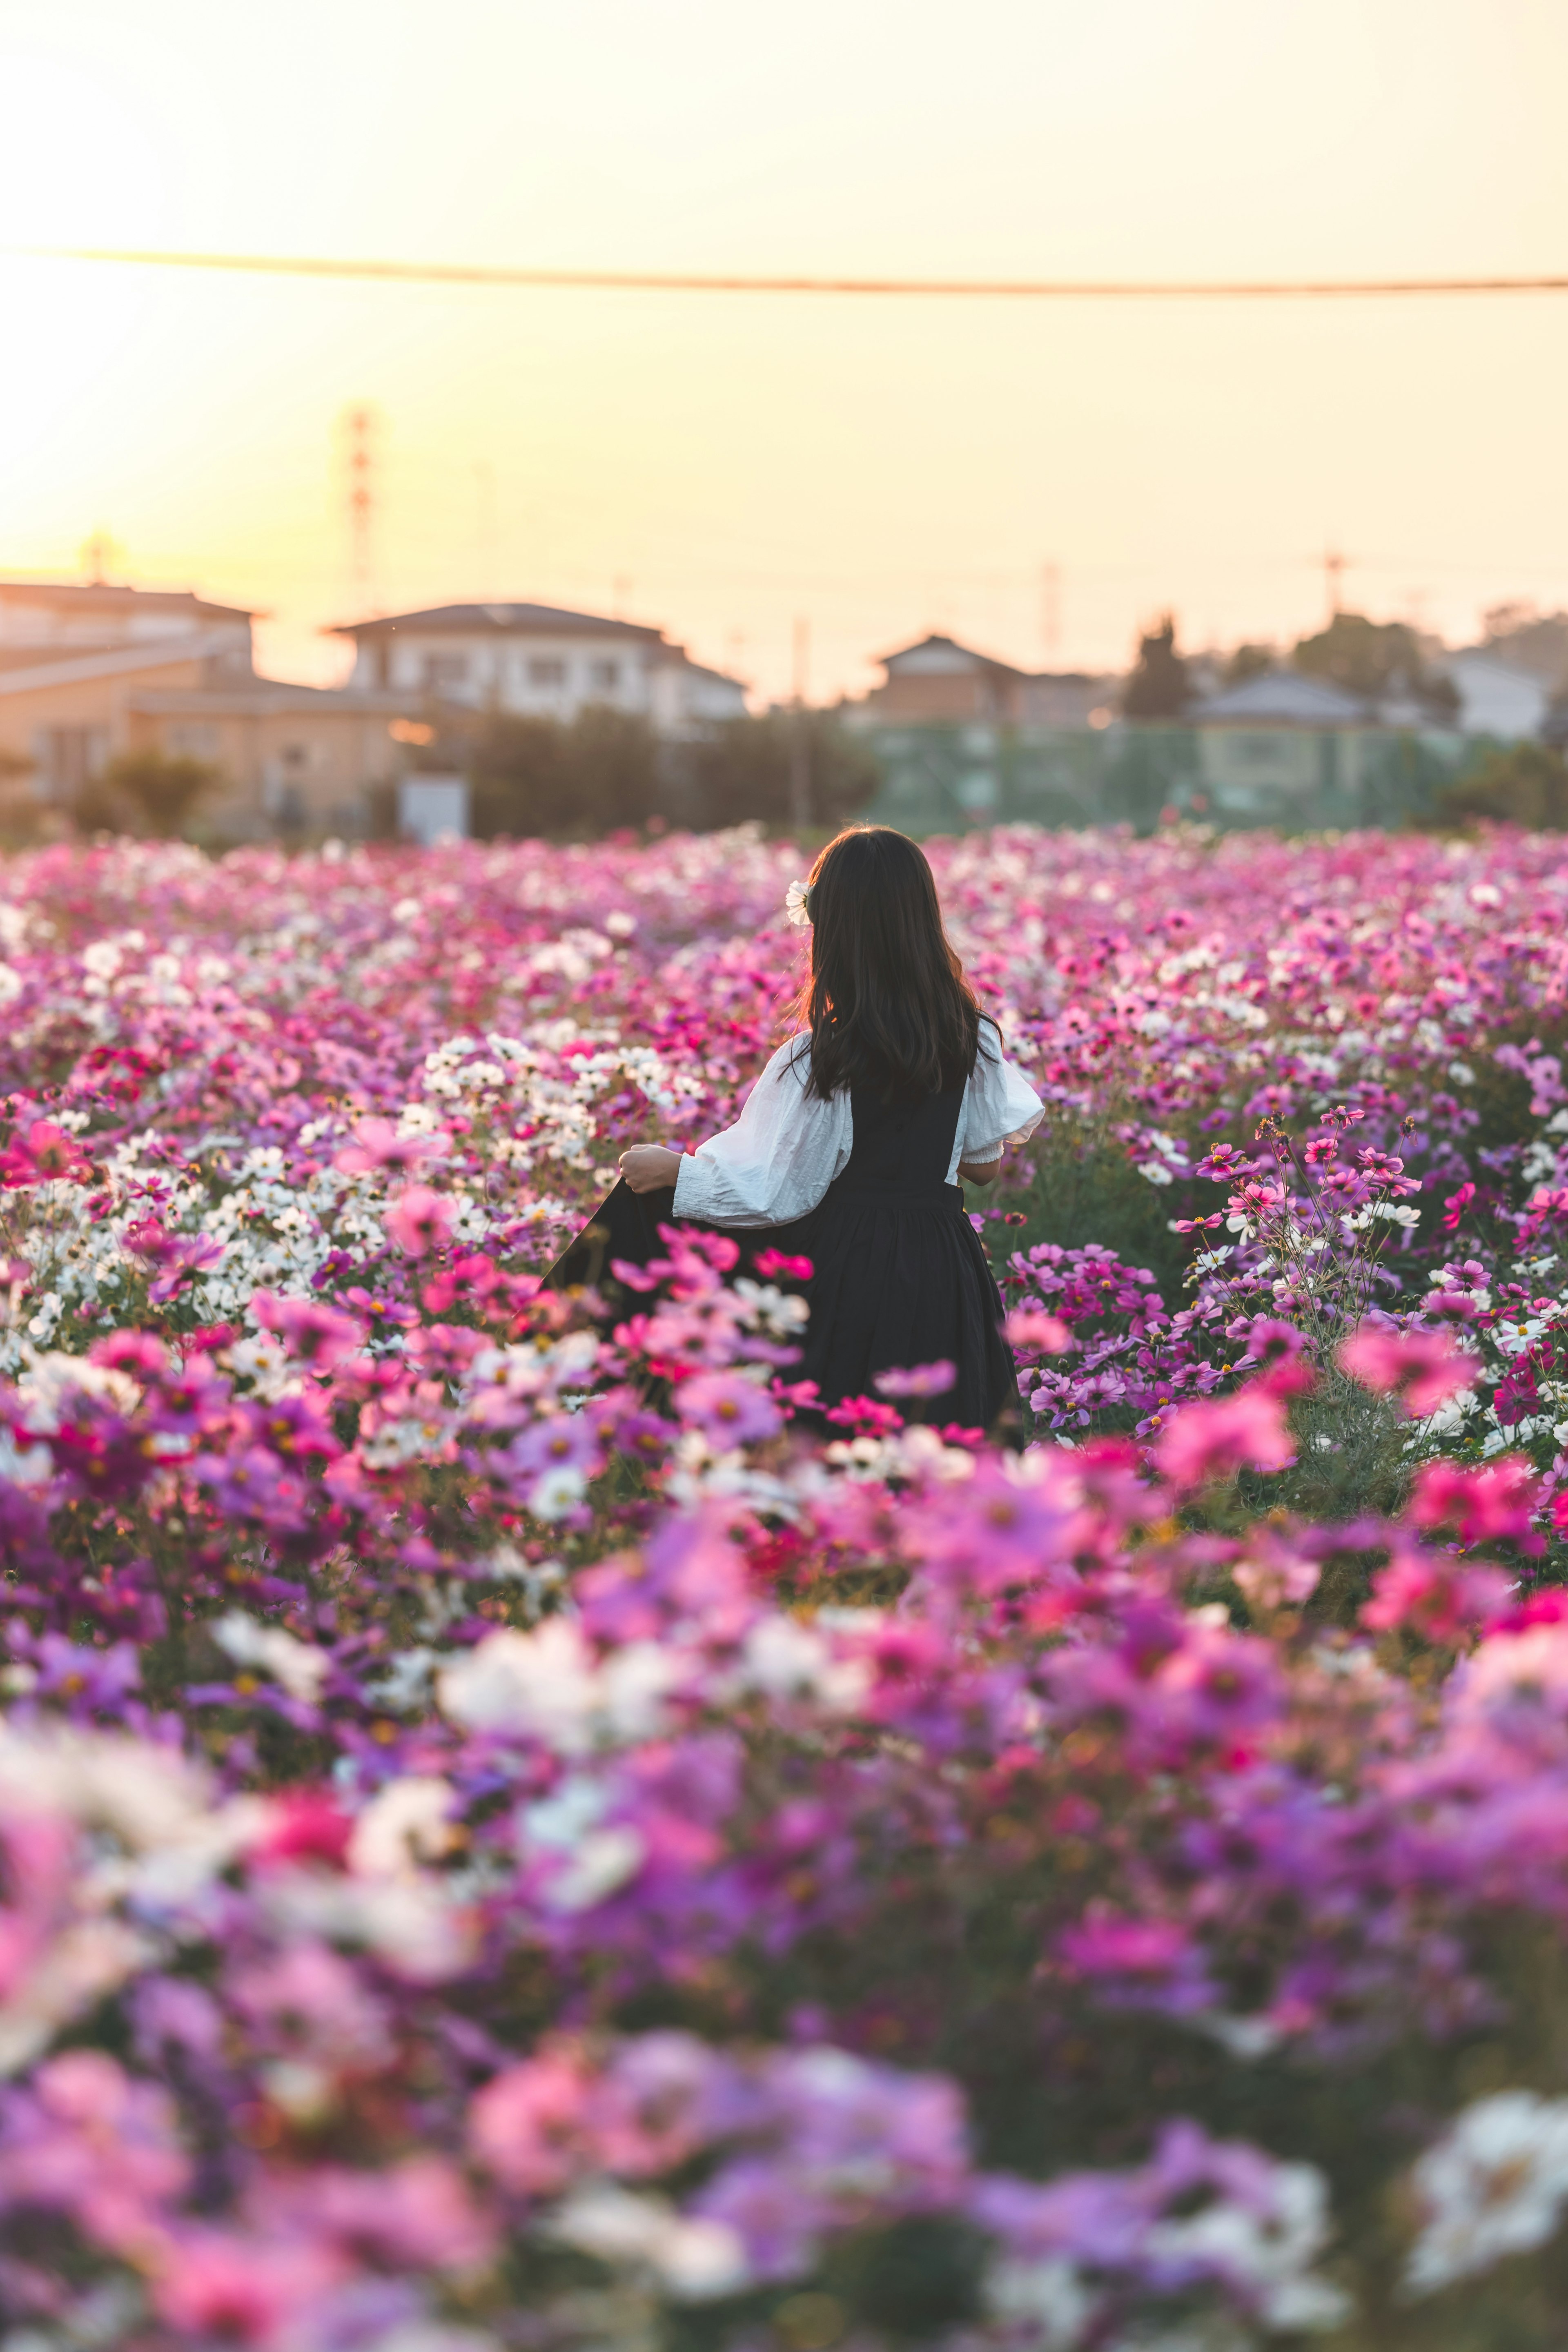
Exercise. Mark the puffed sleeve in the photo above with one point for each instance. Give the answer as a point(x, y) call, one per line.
point(1000, 1106)
point(779, 1158)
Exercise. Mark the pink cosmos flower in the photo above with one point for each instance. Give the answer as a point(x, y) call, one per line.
point(1031, 1328)
point(189, 1256)
point(727, 1410)
point(41, 1153)
point(1216, 1438)
point(1434, 1595)
point(315, 1333)
point(1423, 1368)
point(528, 2125)
point(919, 1380)
point(865, 1416)
point(1137, 1963)
point(377, 1144)
point(1493, 1503)
point(1279, 1352)
point(419, 1220)
point(775, 1266)
point(221, 2287)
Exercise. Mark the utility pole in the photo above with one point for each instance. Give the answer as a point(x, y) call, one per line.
point(359, 425)
point(800, 737)
point(97, 555)
point(1333, 572)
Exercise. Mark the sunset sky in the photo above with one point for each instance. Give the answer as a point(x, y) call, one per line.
point(723, 465)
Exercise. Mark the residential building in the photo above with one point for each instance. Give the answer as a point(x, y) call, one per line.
point(938, 682)
point(1497, 696)
point(1284, 747)
point(538, 661)
point(90, 671)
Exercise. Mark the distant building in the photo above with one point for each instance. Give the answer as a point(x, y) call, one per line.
point(1287, 748)
point(941, 683)
point(1497, 695)
point(91, 671)
point(541, 662)
point(1280, 698)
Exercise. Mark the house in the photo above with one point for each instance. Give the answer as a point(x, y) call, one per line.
point(1282, 698)
point(1069, 698)
point(1284, 747)
point(940, 683)
point(93, 670)
point(540, 662)
point(1497, 696)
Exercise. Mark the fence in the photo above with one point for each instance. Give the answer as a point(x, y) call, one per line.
point(1299, 779)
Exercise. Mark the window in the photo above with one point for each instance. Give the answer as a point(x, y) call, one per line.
point(547, 669)
point(604, 677)
point(445, 671)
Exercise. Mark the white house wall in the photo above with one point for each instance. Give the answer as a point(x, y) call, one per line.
point(513, 674)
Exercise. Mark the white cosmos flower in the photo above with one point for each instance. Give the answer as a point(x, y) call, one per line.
point(406, 1822)
point(695, 2259)
point(1495, 2184)
point(548, 1685)
point(295, 1665)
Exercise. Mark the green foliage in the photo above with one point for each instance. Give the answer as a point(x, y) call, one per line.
point(1526, 784)
point(146, 793)
point(1159, 686)
point(536, 778)
point(1532, 640)
point(740, 771)
point(1372, 659)
point(609, 769)
point(1249, 661)
point(1085, 1189)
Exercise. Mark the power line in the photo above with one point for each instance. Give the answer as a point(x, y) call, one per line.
point(672, 281)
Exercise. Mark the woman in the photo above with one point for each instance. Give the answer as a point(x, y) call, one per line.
point(851, 1144)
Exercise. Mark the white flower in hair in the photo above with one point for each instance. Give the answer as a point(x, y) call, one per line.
point(795, 903)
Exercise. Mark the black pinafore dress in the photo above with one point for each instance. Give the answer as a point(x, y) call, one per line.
point(898, 1277)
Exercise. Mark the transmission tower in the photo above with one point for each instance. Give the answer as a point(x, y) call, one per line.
point(359, 432)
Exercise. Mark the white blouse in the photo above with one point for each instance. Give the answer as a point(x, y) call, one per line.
point(787, 1147)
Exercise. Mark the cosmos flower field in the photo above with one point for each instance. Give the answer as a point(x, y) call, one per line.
point(515, 1835)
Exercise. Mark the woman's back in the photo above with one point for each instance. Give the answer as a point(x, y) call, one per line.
point(901, 1146)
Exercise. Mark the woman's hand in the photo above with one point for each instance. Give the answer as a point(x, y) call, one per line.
point(648, 1167)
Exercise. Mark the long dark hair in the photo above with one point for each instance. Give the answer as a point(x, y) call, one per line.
point(886, 1004)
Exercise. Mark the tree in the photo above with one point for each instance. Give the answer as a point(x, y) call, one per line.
point(1374, 658)
point(608, 770)
point(143, 791)
point(1527, 785)
point(534, 777)
point(739, 770)
point(1249, 661)
point(1531, 639)
point(1159, 686)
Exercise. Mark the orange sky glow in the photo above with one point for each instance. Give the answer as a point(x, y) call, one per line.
point(722, 466)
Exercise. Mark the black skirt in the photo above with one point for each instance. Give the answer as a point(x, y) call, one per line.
point(899, 1278)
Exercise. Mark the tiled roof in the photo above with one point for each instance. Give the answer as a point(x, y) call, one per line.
point(1282, 698)
point(501, 620)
